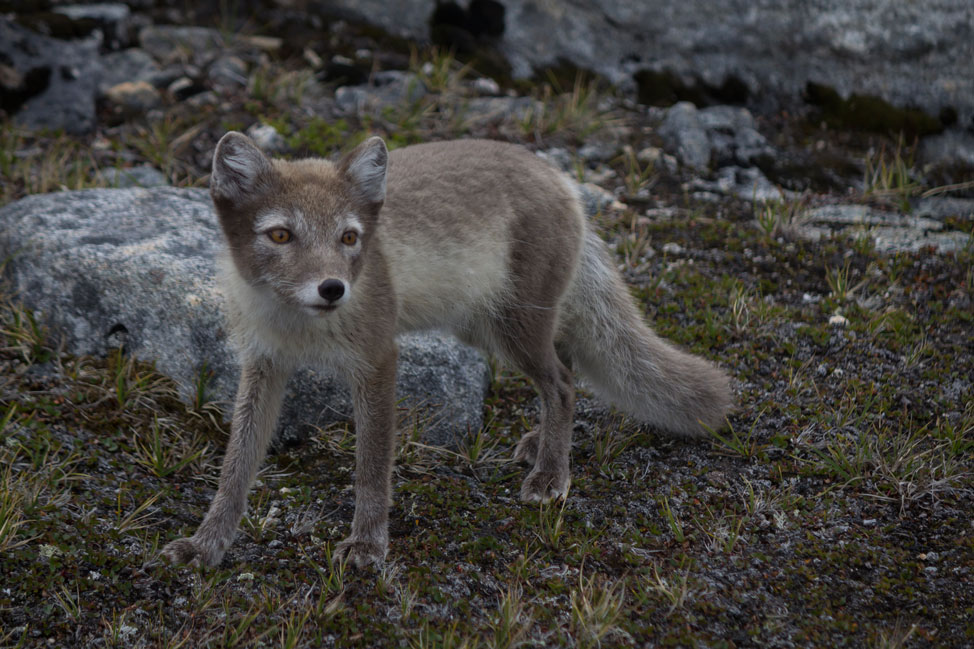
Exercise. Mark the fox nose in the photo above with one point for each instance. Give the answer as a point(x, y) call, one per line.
point(332, 289)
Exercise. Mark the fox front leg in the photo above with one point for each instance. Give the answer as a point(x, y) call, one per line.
point(255, 414)
point(374, 400)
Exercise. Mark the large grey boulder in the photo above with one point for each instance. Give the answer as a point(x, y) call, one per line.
point(136, 267)
point(908, 53)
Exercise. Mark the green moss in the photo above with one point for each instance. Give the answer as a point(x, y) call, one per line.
point(870, 113)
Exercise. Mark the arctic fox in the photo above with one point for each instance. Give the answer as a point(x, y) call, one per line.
point(330, 261)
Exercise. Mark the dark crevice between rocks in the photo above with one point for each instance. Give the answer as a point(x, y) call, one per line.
point(55, 25)
point(17, 89)
point(873, 114)
point(483, 19)
point(117, 338)
point(665, 88)
point(472, 34)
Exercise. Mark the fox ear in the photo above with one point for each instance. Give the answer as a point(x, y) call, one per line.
point(240, 170)
point(365, 166)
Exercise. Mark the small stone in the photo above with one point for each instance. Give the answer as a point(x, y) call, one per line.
point(311, 58)
point(228, 72)
point(207, 98)
point(267, 138)
point(650, 154)
point(269, 44)
point(597, 152)
point(838, 321)
point(684, 134)
point(486, 87)
point(132, 64)
point(180, 88)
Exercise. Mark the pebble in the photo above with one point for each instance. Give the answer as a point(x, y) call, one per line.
point(267, 138)
point(486, 87)
point(134, 97)
point(207, 98)
point(228, 72)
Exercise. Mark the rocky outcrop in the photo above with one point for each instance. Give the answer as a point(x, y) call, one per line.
point(907, 53)
point(135, 267)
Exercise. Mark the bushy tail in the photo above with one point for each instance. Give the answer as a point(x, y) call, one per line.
point(626, 363)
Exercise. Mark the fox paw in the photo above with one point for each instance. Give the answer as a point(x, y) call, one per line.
point(526, 451)
point(544, 486)
point(361, 552)
point(190, 551)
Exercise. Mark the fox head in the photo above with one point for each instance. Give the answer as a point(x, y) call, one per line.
point(300, 228)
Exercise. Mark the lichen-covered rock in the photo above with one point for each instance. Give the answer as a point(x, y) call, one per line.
point(889, 231)
point(136, 267)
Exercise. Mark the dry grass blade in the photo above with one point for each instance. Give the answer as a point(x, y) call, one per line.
point(139, 517)
point(596, 607)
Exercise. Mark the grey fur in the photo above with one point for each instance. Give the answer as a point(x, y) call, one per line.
point(481, 238)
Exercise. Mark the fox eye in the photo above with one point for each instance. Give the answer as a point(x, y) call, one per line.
point(350, 238)
point(280, 235)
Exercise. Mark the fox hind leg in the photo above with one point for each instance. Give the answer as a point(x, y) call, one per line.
point(528, 343)
point(526, 451)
